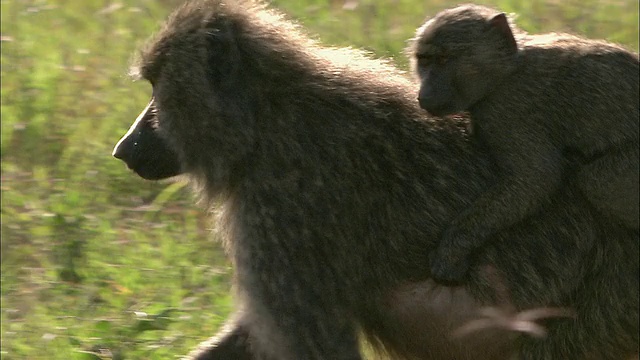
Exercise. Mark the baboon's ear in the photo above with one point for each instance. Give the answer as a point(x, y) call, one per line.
point(501, 24)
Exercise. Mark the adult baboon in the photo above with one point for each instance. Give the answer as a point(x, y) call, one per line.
point(335, 185)
point(533, 99)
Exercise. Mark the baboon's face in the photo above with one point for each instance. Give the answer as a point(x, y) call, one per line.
point(200, 117)
point(144, 150)
point(459, 56)
point(438, 94)
point(442, 65)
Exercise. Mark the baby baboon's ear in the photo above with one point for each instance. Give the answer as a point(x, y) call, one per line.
point(501, 24)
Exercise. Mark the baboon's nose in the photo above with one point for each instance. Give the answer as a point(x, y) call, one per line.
point(118, 151)
point(124, 148)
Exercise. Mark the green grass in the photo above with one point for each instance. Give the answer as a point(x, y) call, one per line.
point(97, 263)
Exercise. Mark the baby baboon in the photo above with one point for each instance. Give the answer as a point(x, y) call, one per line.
point(545, 105)
point(335, 185)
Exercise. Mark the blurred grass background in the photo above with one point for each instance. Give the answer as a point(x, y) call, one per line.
point(99, 264)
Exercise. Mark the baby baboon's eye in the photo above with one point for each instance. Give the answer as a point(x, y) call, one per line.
point(442, 58)
point(424, 60)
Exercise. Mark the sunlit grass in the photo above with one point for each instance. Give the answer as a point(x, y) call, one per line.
point(97, 263)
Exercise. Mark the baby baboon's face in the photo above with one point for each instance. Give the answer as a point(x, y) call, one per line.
point(459, 55)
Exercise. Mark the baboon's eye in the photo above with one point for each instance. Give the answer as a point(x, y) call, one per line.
point(424, 59)
point(427, 59)
point(442, 57)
